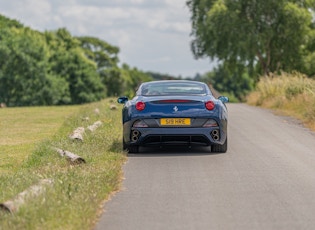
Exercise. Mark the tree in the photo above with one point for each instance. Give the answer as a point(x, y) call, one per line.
point(309, 59)
point(133, 78)
point(69, 61)
point(263, 35)
point(162, 76)
point(54, 68)
point(123, 81)
point(114, 81)
point(9, 23)
point(99, 51)
point(24, 77)
point(236, 85)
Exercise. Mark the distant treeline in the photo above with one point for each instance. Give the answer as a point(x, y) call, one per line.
point(56, 68)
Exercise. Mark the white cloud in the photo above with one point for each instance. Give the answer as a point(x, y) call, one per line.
point(93, 13)
point(160, 59)
point(176, 3)
point(121, 36)
point(137, 1)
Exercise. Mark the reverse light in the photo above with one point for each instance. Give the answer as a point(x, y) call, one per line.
point(139, 124)
point(211, 123)
point(209, 105)
point(140, 105)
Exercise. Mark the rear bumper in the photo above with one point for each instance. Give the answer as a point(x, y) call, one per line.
point(175, 140)
point(175, 136)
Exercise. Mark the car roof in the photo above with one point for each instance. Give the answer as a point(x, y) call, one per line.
point(174, 81)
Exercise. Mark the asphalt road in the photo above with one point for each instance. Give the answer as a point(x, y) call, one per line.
point(266, 180)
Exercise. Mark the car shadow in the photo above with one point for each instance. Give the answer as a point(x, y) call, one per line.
point(166, 151)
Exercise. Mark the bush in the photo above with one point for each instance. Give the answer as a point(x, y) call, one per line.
point(293, 94)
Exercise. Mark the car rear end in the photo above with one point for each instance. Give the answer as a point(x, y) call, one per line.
point(176, 120)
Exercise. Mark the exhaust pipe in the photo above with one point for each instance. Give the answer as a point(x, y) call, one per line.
point(135, 134)
point(215, 134)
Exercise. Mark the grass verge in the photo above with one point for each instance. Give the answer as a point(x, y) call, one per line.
point(288, 94)
point(73, 202)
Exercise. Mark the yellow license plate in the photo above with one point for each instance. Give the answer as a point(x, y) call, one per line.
point(175, 121)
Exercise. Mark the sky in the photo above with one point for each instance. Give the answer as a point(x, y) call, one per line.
point(153, 35)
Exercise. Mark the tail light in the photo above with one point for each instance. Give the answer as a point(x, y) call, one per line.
point(140, 105)
point(209, 105)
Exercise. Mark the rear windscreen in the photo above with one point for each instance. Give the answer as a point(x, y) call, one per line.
point(164, 88)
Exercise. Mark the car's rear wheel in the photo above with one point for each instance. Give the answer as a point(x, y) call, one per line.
point(219, 148)
point(125, 146)
point(130, 148)
point(133, 149)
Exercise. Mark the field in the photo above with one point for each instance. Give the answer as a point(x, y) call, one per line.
point(28, 137)
point(22, 128)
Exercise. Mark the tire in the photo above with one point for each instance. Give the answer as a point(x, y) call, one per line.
point(125, 146)
point(133, 149)
point(220, 148)
point(130, 148)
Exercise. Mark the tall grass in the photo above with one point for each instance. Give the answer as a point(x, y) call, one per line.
point(290, 94)
point(73, 202)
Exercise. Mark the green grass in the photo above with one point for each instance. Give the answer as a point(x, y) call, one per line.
point(22, 128)
point(289, 94)
point(74, 201)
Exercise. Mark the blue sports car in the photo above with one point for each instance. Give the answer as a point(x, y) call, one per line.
point(174, 112)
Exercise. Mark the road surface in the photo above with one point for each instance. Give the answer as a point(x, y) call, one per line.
point(266, 180)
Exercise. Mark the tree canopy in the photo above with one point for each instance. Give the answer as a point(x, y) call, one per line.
point(54, 67)
point(262, 36)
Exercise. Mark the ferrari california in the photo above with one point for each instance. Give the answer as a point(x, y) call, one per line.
point(174, 112)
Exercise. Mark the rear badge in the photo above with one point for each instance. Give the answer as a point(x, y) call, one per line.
point(175, 109)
